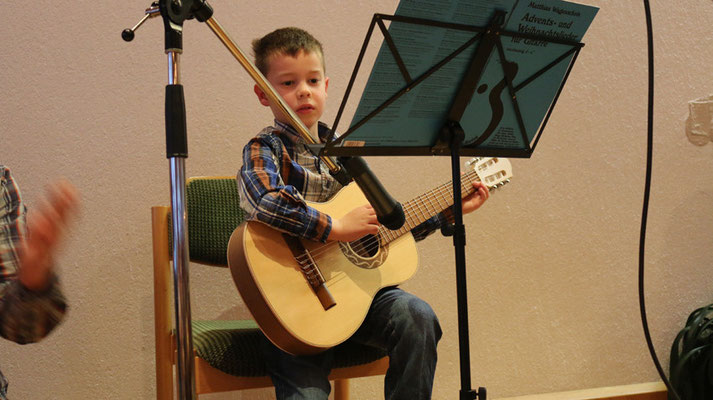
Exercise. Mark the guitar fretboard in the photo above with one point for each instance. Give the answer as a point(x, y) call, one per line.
point(427, 205)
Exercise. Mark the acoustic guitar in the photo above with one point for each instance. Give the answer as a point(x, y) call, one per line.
point(308, 296)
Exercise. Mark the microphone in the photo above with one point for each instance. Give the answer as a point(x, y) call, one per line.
point(388, 211)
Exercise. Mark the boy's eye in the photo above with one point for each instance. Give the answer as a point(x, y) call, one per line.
point(314, 80)
point(287, 83)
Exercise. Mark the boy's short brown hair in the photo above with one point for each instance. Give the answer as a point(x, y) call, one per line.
point(288, 41)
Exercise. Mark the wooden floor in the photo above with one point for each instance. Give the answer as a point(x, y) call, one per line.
point(641, 391)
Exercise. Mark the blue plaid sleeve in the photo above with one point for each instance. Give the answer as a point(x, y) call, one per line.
point(266, 198)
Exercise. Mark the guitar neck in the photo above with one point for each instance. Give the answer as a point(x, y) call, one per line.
point(427, 205)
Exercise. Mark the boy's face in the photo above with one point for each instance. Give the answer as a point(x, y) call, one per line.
point(301, 82)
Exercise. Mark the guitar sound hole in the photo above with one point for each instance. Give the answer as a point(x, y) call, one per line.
point(366, 247)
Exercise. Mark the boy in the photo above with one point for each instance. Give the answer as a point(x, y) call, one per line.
point(278, 174)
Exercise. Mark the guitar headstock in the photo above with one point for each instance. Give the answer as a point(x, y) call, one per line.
point(493, 171)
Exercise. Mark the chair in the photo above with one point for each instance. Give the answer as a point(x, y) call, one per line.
point(226, 355)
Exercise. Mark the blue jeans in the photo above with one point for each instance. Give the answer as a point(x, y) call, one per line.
point(399, 323)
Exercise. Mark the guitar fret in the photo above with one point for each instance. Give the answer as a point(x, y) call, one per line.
point(429, 204)
point(433, 208)
point(441, 199)
point(417, 211)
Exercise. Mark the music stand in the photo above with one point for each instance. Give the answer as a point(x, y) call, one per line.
point(450, 138)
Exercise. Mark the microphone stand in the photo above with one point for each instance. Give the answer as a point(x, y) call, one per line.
point(175, 13)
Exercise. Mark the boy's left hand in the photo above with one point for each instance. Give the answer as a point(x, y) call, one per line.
point(476, 199)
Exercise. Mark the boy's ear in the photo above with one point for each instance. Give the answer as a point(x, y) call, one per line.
point(326, 84)
point(261, 96)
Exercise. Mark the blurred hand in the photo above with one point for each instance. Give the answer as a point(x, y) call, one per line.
point(46, 227)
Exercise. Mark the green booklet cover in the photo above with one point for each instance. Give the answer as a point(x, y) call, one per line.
point(490, 119)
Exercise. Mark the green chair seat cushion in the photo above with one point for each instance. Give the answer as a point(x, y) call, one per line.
point(234, 348)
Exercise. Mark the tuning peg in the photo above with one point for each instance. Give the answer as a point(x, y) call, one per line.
point(472, 161)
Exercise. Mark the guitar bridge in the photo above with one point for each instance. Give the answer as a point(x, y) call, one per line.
point(311, 271)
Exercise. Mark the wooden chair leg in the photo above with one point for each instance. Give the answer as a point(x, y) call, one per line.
point(164, 387)
point(341, 389)
point(162, 301)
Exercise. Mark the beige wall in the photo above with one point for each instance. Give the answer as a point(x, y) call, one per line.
point(552, 258)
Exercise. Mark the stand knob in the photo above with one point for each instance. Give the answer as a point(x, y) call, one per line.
point(127, 34)
point(153, 11)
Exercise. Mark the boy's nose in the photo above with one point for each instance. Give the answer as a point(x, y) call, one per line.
point(303, 90)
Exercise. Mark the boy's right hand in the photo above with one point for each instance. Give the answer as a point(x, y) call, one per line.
point(356, 224)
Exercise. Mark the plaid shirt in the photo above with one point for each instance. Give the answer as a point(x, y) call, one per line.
point(25, 316)
point(279, 173)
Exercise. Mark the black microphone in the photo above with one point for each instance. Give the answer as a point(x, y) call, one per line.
point(388, 211)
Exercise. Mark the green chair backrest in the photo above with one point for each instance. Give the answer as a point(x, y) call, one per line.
point(213, 212)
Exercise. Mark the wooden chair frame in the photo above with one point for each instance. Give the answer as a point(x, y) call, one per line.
point(207, 378)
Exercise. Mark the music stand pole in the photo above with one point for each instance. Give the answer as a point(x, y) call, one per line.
point(457, 136)
point(453, 132)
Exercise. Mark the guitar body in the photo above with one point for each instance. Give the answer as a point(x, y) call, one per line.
point(285, 306)
point(309, 296)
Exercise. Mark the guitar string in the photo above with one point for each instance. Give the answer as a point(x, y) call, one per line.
point(373, 242)
point(369, 245)
point(311, 270)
